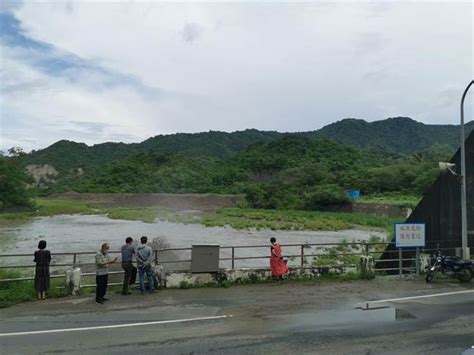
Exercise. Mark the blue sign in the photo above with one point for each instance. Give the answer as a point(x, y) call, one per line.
point(353, 194)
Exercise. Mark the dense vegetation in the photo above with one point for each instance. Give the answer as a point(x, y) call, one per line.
point(292, 172)
point(303, 171)
point(399, 134)
point(13, 182)
point(66, 155)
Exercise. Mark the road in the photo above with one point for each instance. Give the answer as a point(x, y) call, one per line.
point(291, 318)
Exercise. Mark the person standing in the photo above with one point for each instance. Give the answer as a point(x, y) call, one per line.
point(277, 263)
point(42, 260)
point(102, 262)
point(130, 271)
point(144, 256)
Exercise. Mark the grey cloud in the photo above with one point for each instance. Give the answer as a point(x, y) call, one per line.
point(91, 126)
point(94, 137)
point(369, 43)
point(123, 138)
point(22, 87)
point(446, 98)
point(68, 7)
point(8, 6)
point(377, 8)
point(97, 131)
point(191, 32)
point(377, 74)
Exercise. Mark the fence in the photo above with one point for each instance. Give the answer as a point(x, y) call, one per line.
point(343, 255)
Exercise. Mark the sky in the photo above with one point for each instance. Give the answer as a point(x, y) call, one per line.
point(94, 72)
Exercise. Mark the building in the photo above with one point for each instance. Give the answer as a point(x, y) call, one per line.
point(440, 210)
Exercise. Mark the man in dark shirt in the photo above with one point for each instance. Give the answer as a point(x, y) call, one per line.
point(130, 270)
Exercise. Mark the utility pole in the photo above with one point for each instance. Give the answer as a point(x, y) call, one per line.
point(465, 247)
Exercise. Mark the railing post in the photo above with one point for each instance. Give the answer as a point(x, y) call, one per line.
point(302, 255)
point(417, 261)
point(233, 255)
point(366, 249)
point(156, 257)
point(74, 261)
point(400, 262)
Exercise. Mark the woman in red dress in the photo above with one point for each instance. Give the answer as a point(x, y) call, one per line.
point(277, 264)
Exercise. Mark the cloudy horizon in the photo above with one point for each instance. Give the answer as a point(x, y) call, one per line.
point(105, 71)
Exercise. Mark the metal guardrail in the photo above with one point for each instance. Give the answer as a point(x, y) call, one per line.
point(359, 248)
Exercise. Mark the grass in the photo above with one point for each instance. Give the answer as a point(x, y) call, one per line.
point(408, 201)
point(147, 215)
point(23, 291)
point(238, 218)
point(45, 207)
point(294, 220)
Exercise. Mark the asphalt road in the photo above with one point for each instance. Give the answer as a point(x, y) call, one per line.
point(292, 318)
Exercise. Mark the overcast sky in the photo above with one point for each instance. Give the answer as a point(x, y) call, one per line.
point(107, 71)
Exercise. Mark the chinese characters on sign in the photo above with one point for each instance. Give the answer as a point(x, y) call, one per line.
point(409, 235)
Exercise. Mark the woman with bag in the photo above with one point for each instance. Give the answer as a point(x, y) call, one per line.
point(277, 263)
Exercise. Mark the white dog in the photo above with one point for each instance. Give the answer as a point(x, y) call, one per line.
point(160, 277)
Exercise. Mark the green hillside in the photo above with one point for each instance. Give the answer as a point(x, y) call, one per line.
point(399, 134)
point(66, 155)
point(275, 170)
point(291, 172)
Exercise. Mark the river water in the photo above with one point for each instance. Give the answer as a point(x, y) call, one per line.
point(79, 233)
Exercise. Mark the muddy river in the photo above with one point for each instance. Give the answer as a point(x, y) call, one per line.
point(79, 233)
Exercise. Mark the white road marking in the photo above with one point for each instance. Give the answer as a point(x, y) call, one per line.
point(116, 326)
point(423, 296)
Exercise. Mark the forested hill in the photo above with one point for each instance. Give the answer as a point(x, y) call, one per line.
point(399, 134)
point(291, 172)
point(65, 155)
point(306, 170)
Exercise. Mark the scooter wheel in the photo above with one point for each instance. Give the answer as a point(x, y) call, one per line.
point(430, 276)
point(464, 276)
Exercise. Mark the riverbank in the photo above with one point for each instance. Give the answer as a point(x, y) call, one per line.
point(51, 207)
point(237, 218)
point(240, 218)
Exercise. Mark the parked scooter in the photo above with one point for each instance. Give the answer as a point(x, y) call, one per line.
point(451, 266)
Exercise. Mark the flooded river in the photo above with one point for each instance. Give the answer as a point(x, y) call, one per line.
point(79, 233)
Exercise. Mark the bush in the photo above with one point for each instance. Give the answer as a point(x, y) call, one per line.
point(324, 196)
point(13, 181)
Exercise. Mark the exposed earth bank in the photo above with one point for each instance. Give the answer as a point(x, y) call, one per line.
point(177, 202)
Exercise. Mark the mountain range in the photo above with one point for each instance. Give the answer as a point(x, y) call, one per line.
point(395, 135)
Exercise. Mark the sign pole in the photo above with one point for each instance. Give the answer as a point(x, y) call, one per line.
point(400, 262)
point(417, 261)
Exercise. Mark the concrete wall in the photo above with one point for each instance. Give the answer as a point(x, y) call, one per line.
point(184, 279)
point(225, 277)
point(177, 279)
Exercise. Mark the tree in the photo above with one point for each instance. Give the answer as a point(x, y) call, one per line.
point(13, 181)
point(16, 152)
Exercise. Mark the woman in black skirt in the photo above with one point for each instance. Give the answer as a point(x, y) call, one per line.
point(42, 260)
